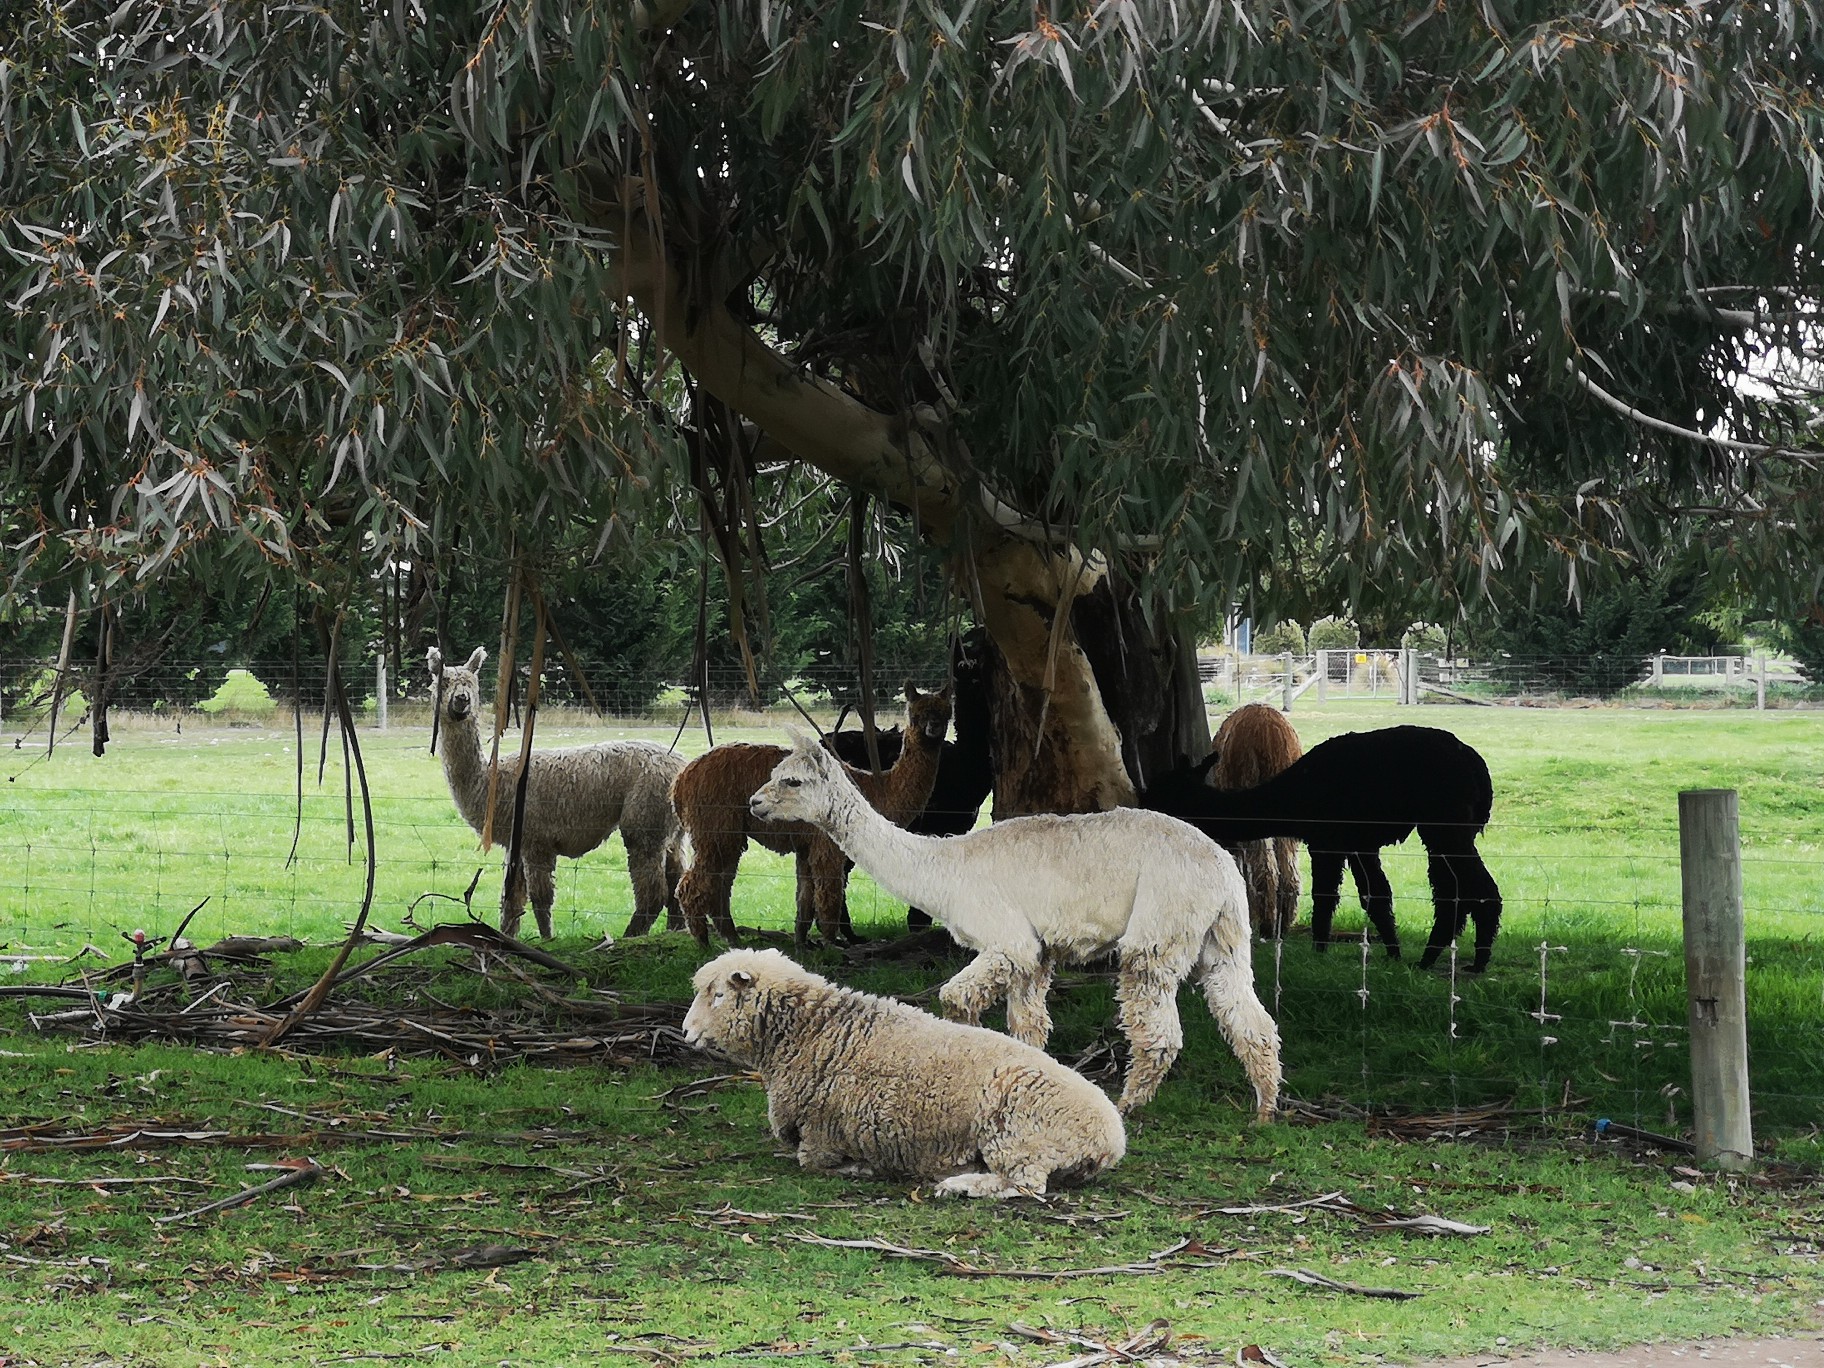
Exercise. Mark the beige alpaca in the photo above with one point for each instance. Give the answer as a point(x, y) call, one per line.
point(576, 797)
point(711, 796)
point(1029, 893)
point(1254, 743)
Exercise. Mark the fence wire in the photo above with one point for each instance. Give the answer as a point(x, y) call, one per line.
point(1583, 1007)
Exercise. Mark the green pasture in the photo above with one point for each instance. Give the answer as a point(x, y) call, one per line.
point(638, 1217)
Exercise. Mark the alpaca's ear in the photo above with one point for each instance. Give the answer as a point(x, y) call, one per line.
point(434, 658)
point(1207, 764)
point(801, 739)
point(911, 692)
point(476, 660)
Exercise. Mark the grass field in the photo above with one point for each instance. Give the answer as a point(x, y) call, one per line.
point(656, 1221)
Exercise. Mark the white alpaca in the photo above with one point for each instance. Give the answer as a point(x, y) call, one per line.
point(575, 799)
point(1030, 892)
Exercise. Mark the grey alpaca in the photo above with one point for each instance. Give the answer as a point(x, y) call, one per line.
point(576, 797)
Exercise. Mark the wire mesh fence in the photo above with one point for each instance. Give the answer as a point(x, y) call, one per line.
point(1584, 1003)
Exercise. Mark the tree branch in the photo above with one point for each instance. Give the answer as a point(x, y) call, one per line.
point(1689, 434)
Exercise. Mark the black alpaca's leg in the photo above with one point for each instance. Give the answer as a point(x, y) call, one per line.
point(1376, 893)
point(1326, 892)
point(1447, 910)
point(1481, 902)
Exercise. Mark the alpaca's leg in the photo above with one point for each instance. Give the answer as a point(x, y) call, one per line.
point(1258, 869)
point(705, 889)
point(1028, 1018)
point(1462, 890)
point(1326, 893)
point(1285, 885)
point(829, 873)
point(646, 871)
point(541, 883)
point(978, 986)
point(674, 875)
point(1446, 908)
point(1228, 988)
point(1376, 893)
point(805, 910)
point(1146, 996)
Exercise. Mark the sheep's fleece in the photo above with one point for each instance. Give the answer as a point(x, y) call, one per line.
point(871, 1087)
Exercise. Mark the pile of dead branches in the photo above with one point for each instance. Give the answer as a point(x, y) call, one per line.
point(195, 996)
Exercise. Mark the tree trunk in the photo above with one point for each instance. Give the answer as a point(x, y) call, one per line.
point(1057, 749)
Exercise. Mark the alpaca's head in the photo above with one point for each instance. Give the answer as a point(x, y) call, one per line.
point(457, 688)
point(928, 714)
point(804, 785)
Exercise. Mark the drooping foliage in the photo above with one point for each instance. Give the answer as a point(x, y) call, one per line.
point(1314, 298)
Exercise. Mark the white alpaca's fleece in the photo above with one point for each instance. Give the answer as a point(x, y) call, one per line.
point(872, 1087)
point(1029, 893)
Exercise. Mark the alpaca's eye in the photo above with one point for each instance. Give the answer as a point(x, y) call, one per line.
point(792, 783)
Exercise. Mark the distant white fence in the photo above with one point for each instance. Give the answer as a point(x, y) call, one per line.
point(1405, 675)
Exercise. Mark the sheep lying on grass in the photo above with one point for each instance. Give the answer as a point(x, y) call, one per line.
point(575, 799)
point(870, 1087)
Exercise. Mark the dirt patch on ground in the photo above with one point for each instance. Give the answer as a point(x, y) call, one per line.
point(1792, 1351)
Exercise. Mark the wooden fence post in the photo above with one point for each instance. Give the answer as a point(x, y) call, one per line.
point(1710, 864)
point(380, 691)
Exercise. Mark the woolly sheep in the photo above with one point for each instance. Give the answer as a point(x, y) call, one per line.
point(576, 797)
point(870, 1087)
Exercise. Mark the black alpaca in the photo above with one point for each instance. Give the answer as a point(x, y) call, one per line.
point(965, 766)
point(1345, 799)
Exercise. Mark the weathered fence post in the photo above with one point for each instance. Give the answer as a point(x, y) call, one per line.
point(1289, 693)
point(1760, 682)
point(1323, 673)
point(380, 692)
point(1710, 863)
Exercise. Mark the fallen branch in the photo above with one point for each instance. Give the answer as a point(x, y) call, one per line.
point(296, 1171)
point(1310, 1279)
point(949, 1263)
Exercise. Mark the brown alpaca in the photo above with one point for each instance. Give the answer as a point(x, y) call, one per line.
point(1254, 743)
point(711, 796)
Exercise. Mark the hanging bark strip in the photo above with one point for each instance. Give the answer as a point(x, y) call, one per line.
point(297, 720)
point(63, 668)
point(503, 682)
point(104, 679)
point(861, 621)
point(320, 990)
point(515, 865)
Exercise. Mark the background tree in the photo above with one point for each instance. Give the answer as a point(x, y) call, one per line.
point(1124, 310)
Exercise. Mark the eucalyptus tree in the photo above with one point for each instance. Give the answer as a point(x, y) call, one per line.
point(1274, 296)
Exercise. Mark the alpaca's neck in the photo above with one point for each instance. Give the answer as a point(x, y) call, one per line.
point(902, 791)
point(901, 863)
point(465, 768)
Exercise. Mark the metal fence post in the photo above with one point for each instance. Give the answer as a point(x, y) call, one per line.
point(380, 692)
point(1710, 865)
